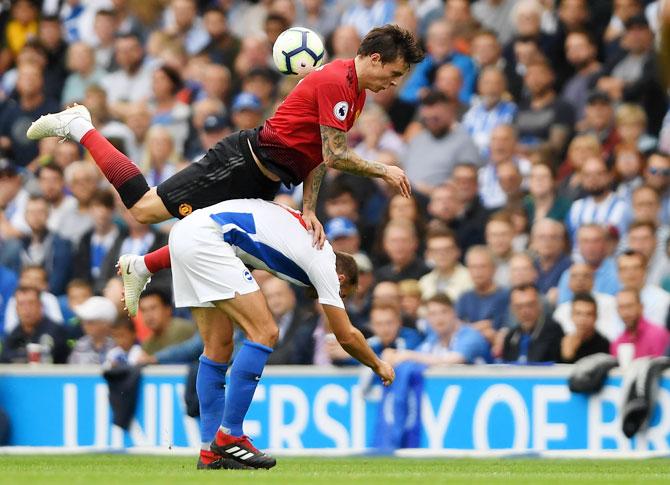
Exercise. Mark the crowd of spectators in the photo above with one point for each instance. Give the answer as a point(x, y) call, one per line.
point(535, 135)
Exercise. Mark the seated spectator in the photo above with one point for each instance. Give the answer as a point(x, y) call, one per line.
point(33, 277)
point(45, 248)
point(581, 51)
point(410, 301)
point(601, 205)
point(628, 163)
point(81, 179)
point(449, 276)
point(592, 247)
point(657, 176)
point(156, 309)
point(599, 122)
point(343, 235)
point(502, 156)
point(168, 111)
point(76, 293)
point(359, 303)
point(295, 345)
point(440, 51)
point(490, 109)
point(632, 270)
point(33, 327)
point(98, 247)
point(542, 201)
point(97, 315)
point(388, 333)
point(377, 133)
point(52, 186)
point(633, 75)
point(580, 280)
point(451, 341)
point(644, 236)
point(548, 241)
point(161, 160)
point(434, 151)
point(400, 245)
point(585, 340)
point(544, 121)
point(499, 237)
point(388, 292)
point(649, 339)
point(631, 125)
point(581, 148)
point(13, 200)
point(472, 217)
point(83, 72)
point(537, 337)
point(126, 350)
point(485, 306)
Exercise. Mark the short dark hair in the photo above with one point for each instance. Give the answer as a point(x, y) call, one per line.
point(345, 264)
point(124, 322)
point(339, 188)
point(162, 293)
point(392, 42)
point(79, 283)
point(28, 289)
point(51, 165)
point(104, 198)
point(590, 38)
point(635, 254)
point(524, 287)
point(440, 230)
point(586, 298)
point(174, 77)
point(651, 225)
point(435, 97)
point(442, 299)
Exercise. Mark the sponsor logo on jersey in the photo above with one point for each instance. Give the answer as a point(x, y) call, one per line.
point(185, 209)
point(247, 276)
point(340, 110)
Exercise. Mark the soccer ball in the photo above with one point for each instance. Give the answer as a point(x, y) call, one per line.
point(297, 51)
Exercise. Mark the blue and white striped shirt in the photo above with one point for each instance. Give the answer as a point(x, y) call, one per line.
point(480, 122)
point(609, 212)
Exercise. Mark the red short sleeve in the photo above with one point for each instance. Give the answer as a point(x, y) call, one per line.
point(334, 107)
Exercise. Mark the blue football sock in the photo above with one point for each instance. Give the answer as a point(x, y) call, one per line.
point(210, 386)
point(244, 375)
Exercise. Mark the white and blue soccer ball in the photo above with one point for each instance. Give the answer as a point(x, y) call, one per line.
point(298, 51)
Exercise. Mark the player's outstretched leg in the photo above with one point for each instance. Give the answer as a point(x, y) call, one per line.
point(230, 439)
point(75, 124)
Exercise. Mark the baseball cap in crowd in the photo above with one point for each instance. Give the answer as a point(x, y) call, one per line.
point(7, 168)
point(598, 96)
point(247, 101)
point(215, 123)
point(96, 308)
point(340, 227)
point(363, 262)
point(637, 21)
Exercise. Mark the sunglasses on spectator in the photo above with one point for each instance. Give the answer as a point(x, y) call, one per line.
point(659, 171)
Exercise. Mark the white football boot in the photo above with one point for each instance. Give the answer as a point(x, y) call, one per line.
point(57, 124)
point(133, 282)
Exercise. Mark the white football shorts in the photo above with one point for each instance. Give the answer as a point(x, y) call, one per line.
point(204, 267)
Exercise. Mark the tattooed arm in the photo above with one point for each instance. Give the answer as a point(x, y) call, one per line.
point(336, 154)
point(310, 195)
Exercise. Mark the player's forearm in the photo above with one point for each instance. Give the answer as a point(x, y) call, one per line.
point(310, 188)
point(355, 345)
point(338, 155)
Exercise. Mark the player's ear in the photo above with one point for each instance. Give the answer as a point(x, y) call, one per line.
point(376, 57)
point(341, 278)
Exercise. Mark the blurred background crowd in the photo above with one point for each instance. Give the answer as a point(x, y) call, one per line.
point(535, 134)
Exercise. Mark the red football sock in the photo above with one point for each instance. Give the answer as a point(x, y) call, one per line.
point(121, 172)
point(158, 260)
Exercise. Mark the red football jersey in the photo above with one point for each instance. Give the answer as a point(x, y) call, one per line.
point(327, 96)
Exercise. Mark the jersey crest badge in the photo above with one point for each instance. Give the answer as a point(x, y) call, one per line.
point(185, 209)
point(341, 110)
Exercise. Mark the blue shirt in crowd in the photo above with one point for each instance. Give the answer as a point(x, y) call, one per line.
point(605, 280)
point(546, 280)
point(466, 341)
point(472, 307)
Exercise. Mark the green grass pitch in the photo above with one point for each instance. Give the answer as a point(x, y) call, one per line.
point(133, 469)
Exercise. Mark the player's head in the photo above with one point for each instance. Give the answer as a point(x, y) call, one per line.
point(347, 272)
point(387, 53)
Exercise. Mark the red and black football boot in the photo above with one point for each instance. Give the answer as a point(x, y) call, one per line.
point(240, 449)
point(208, 460)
